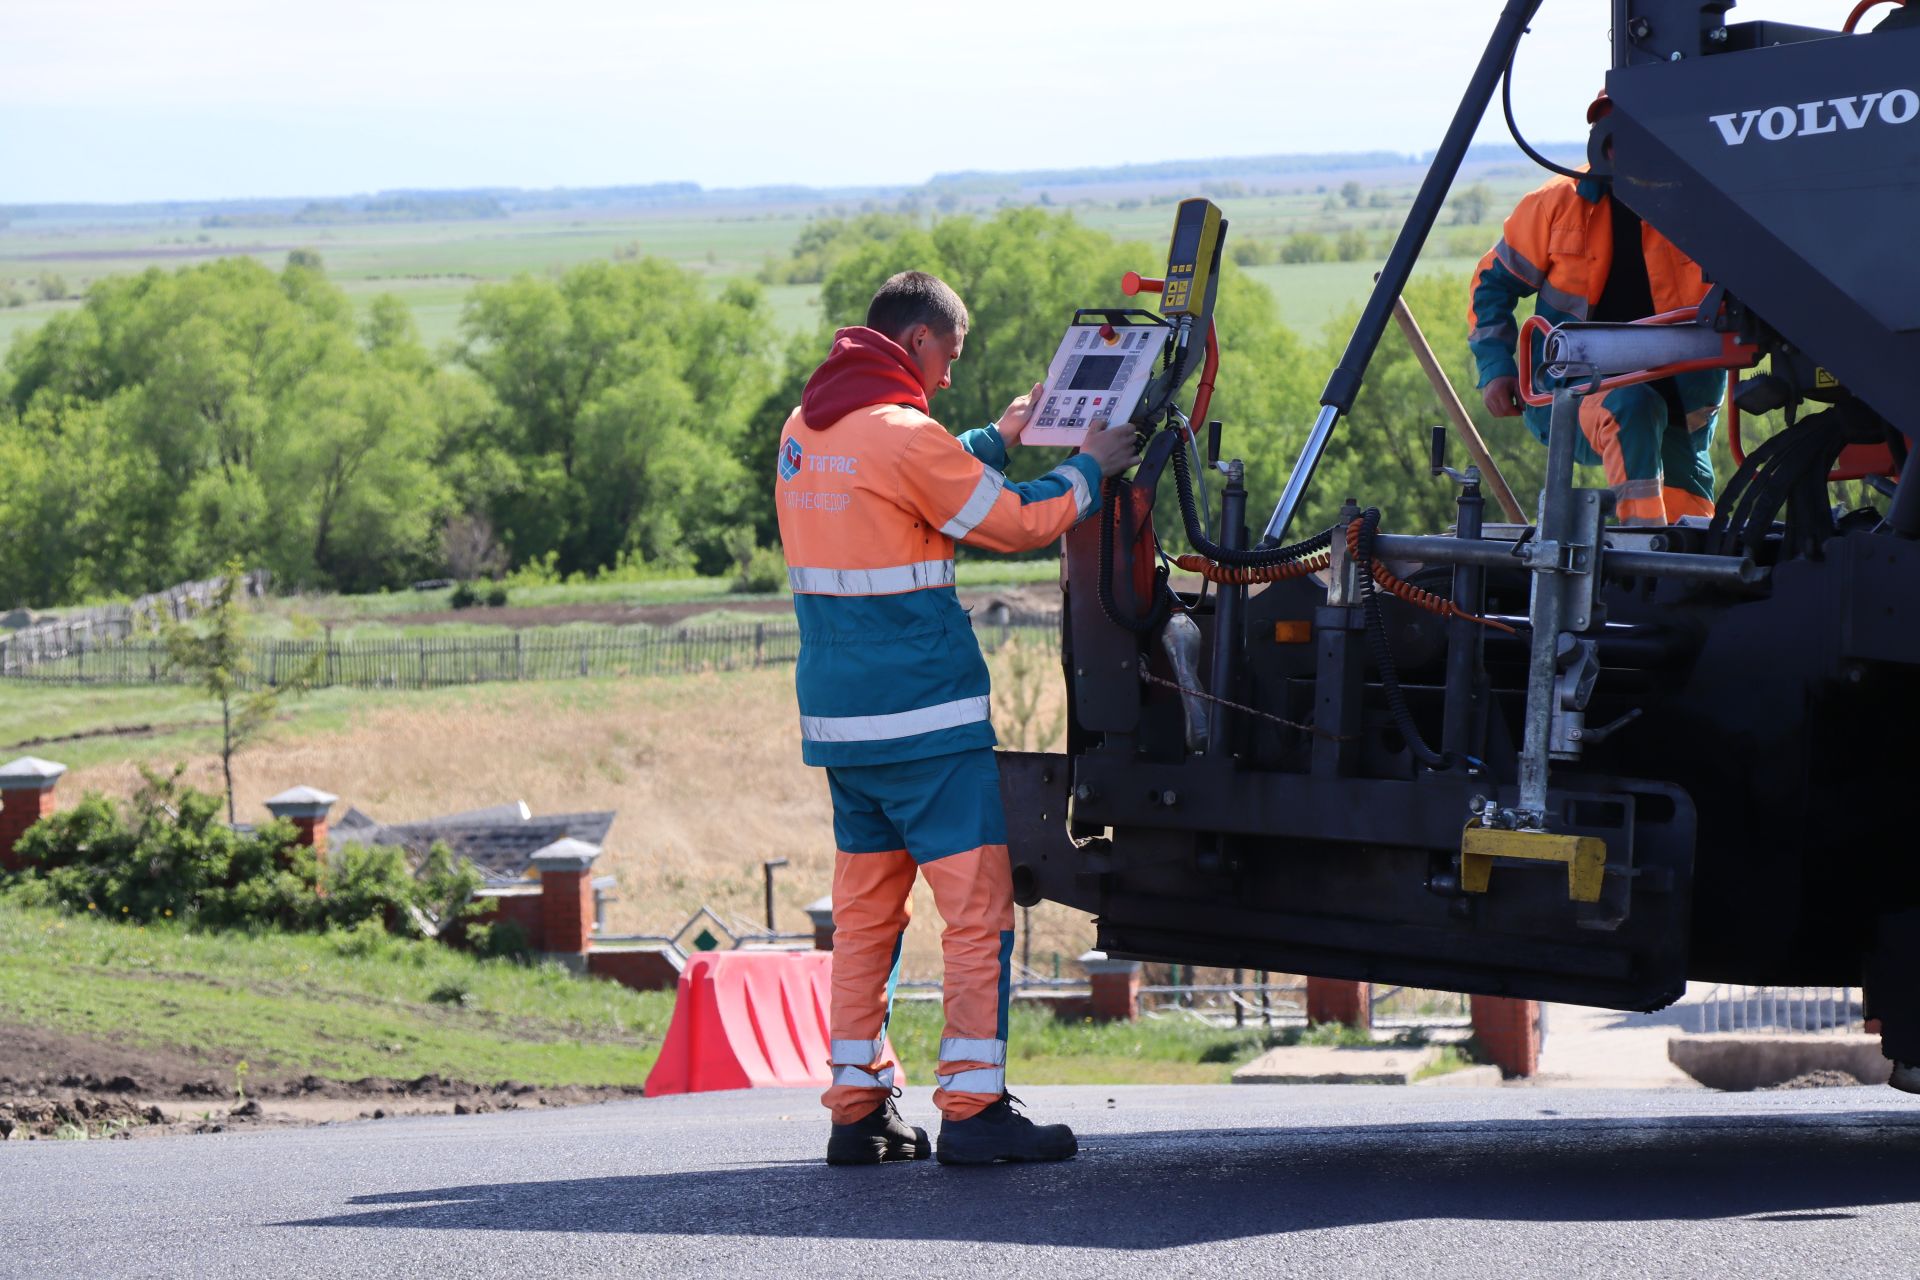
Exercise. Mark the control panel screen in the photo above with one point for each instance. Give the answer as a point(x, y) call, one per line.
point(1096, 373)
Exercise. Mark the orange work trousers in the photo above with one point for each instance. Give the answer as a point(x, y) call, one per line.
point(872, 901)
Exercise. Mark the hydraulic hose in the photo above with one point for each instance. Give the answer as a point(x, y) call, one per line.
point(1382, 652)
point(1109, 518)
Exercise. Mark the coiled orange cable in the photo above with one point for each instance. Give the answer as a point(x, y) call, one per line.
point(1414, 595)
point(1249, 575)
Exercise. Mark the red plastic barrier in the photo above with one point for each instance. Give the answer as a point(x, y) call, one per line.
point(748, 1020)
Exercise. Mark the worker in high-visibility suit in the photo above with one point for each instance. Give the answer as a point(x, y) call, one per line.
point(872, 494)
point(1589, 257)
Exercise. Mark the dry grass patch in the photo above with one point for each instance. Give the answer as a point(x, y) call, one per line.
point(704, 771)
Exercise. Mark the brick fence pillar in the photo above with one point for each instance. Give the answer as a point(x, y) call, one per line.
point(820, 911)
point(565, 868)
point(1116, 987)
point(307, 809)
point(1509, 1033)
point(1336, 1000)
point(26, 796)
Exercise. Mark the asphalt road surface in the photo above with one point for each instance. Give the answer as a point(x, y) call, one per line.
point(1170, 1182)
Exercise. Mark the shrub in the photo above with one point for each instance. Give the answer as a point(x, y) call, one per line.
point(765, 570)
point(497, 596)
point(498, 940)
point(166, 855)
point(1305, 246)
point(464, 596)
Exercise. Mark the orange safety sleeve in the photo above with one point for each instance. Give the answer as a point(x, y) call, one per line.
point(970, 502)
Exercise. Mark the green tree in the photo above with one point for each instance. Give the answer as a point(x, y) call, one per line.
point(624, 392)
point(1379, 451)
point(211, 650)
point(1351, 193)
point(1470, 207)
point(180, 418)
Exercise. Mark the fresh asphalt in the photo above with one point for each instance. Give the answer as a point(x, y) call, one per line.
point(1252, 1181)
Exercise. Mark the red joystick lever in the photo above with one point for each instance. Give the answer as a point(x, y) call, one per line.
point(1134, 283)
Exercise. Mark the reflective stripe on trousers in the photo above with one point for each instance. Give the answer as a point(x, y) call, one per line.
point(860, 1078)
point(856, 1053)
point(991, 1080)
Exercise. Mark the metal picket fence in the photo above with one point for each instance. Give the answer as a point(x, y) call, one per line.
point(427, 663)
point(1795, 1010)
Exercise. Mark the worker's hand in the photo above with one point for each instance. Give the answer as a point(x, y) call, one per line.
point(1115, 447)
point(1014, 421)
point(1503, 397)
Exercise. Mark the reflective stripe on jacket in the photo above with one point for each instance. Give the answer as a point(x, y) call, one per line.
point(1558, 243)
point(870, 509)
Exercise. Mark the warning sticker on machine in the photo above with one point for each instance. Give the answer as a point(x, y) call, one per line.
point(1822, 379)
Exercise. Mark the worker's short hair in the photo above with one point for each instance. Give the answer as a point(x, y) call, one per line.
point(915, 298)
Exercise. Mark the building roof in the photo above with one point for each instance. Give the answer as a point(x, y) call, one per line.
point(500, 841)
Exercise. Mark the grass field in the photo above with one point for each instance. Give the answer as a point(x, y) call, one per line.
point(971, 574)
point(339, 1006)
point(347, 1005)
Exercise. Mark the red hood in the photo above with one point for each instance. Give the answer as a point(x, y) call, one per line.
point(864, 368)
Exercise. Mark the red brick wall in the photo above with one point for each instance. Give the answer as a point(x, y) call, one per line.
point(641, 970)
point(566, 912)
point(523, 910)
point(1335, 1000)
point(1116, 996)
point(1509, 1033)
point(18, 811)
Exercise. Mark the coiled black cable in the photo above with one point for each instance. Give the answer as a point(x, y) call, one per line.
point(1382, 652)
point(1254, 556)
point(1513, 126)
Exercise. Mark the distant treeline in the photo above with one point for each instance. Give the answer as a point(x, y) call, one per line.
point(431, 207)
point(950, 186)
point(614, 418)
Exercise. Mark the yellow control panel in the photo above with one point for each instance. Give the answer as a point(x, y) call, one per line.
point(1192, 258)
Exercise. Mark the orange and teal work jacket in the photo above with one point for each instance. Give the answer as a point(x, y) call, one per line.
point(872, 494)
point(1558, 243)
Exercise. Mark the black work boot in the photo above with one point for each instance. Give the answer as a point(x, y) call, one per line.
point(1001, 1133)
point(1905, 1077)
point(879, 1136)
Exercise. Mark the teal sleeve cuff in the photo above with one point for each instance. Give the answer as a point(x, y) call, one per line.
point(1500, 365)
point(986, 445)
point(1091, 471)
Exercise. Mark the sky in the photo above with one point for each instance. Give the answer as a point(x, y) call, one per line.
point(125, 100)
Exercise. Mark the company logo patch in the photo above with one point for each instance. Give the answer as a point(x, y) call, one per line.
point(790, 455)
point(1805, 119)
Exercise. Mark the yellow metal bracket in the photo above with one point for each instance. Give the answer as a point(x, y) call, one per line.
point(1585, 856)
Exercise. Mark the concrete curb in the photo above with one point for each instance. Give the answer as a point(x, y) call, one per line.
point(1481, 1077)
point(1318, 1064)
point(1735, 1061)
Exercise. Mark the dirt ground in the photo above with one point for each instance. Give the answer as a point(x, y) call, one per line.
point(55, 1085)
